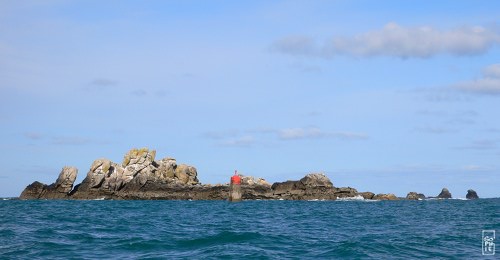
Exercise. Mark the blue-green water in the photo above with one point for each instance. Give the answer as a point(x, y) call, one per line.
point(250, 229)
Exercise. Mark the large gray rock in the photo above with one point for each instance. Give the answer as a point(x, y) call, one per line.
point(139, 173)
point(166, 168)
point(251, 181)
point(382, 196)
point(186, 174)
point(415, 196)
point(471, 195)
point(66, 179)
point(345, 192)
point(316, 180)
point(33, 191)
point(445, 194)
point(280, 188)
point(367, 195)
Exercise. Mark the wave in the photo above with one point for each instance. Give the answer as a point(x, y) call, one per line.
point(355, 198)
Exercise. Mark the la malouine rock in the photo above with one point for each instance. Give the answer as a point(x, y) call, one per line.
point(142, 176)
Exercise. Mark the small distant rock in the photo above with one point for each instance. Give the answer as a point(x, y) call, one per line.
point(445, 194)
point(471, 195)
point(415, 196)
point(381, 196)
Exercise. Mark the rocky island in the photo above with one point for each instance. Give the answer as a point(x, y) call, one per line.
point(141, 177)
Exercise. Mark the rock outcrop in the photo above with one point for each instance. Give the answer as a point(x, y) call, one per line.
point(382, 196)
point(367, 195)
point(471, 195)
point(141, 176)
point(312, 186)
point(251, 181)
point(445, 194)
point(415, 196)
point(57, 190)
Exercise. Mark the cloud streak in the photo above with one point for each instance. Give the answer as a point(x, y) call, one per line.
point(487, 84)
point(435, 130)
point(396, 41)
point(248, 138)
point(315, 133)
point(481, 145)
point(100, 84)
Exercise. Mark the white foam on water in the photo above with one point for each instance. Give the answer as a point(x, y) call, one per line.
point(355, 198)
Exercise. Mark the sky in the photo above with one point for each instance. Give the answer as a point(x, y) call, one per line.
point(382, 96)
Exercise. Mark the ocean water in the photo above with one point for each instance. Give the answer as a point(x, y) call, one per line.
point(249, 229)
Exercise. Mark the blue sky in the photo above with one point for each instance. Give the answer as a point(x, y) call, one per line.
point(382, 96)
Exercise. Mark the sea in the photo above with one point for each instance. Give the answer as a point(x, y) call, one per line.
point(341, 229)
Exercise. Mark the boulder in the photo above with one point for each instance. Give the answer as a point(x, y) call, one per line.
point(382, 196)
point(367, 195)
point(186, 174)
point(345, 192)
point(280, 188)
point(251, 181)
point(471, 195)
point(166, 168)
point(316, 180)
point(445, 194)
point(415, 196)
point(33, 191)
point(66, 179)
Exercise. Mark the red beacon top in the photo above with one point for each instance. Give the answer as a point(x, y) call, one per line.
point(235, 179)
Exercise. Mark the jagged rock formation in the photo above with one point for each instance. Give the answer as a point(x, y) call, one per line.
point(312, 186)
point(445, 194)
point(57, 190)
point(141, 176)
point(471, 195)
point(415, 196)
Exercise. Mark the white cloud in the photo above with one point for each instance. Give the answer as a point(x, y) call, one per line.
point(488, 84)
point(485, 144)
point(75, 140)
point(244, 141)
point(476, 168)
point(492, 71)
point(252, 137)
point(300, 133)
point(435, 130)
point(397, 41)
point(313, 133)
point(296, 45)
